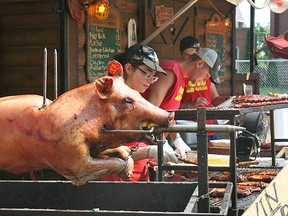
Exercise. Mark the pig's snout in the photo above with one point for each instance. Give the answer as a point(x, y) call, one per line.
point(166, 120)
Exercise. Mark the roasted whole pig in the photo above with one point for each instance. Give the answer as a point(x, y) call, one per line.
point(68, 136)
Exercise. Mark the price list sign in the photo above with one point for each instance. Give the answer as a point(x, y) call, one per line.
point(103, 44)
point(216, 41)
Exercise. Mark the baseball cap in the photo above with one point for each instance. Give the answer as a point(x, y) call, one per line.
point(212, 60)
point(189, 42)
point(144, 54)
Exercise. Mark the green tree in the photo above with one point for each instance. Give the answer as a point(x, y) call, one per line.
point(260, 33)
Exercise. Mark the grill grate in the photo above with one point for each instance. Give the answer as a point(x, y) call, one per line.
point(243, 202)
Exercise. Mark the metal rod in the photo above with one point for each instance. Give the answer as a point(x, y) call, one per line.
point(55, 75)
point(252, 39)
point(44, 78)
point(233, 171)
point(272, 134)
point(168, 22)
point(202, 155)
point(183, 128)
point(194, 128)
point(160, 169)
point(130, 131)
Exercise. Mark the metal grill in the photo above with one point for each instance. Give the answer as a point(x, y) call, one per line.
point(216, 202)
point(245, 202)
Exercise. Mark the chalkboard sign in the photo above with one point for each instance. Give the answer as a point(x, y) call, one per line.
point(215, 38)
point(216, 41)
point(103, 44)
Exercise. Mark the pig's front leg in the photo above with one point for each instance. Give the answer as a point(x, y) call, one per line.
point(95, 168)
point(122, 153)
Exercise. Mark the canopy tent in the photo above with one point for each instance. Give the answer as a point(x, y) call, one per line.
point(278, 46)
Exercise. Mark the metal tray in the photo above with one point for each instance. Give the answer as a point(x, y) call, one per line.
point(101, 198)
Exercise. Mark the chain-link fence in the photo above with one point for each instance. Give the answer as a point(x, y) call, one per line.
point(273, 74)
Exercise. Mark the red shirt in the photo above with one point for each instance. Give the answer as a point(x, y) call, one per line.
point(196, 90)
point(173, 98)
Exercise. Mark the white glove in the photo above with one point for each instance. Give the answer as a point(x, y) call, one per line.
point(181, 146)
point(168, 153)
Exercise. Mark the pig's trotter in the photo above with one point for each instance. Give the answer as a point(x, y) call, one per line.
point(128, 163)
point(127, 169)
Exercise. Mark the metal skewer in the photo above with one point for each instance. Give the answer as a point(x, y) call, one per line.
point(44, 78)
point(183, 128)
point(55, 75)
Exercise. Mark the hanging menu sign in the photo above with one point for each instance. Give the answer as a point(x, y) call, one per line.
point(216, 41)
point(103, 44)
point(215, 38)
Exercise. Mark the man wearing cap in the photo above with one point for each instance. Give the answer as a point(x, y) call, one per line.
point(168, 91)
point(204, 93)
point(188, 46)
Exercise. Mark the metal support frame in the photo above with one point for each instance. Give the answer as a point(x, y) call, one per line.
point(202, 156)
point(233, 168)
point(252, 40)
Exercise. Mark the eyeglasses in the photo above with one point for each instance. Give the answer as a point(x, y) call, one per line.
point(148, 76)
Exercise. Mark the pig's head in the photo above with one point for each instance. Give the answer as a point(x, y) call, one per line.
point(123, 108)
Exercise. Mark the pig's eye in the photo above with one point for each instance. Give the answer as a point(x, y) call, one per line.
point(128, 102)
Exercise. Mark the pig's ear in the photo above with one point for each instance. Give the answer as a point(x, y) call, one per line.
point(103, 86)
point(114, 68)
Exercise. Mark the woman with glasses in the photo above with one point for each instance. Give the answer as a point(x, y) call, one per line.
point(202, 94)
point(141, 69)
